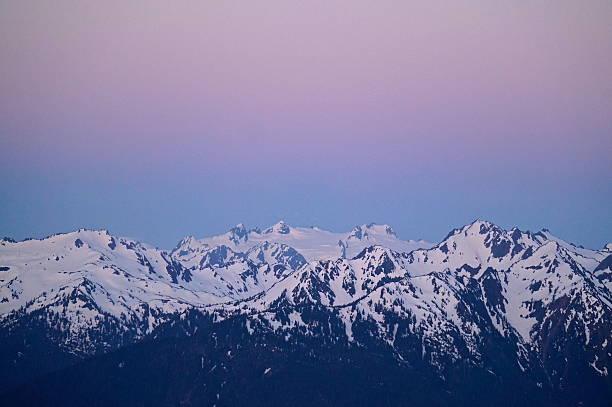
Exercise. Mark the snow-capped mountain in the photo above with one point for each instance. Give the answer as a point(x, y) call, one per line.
point(313, 243)
point(519, 284)
point(81, 281)
point(494, 300)
point(86, 277)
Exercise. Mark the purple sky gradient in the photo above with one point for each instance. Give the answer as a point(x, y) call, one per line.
point(313, 111)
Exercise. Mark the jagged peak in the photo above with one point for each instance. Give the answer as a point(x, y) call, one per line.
point(280, 227)
point(188, 244)
point(495, 239)
point(187, 240)
point(478, 226)
point(483, 226)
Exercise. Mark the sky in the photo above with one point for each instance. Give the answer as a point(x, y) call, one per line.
point(160, 119)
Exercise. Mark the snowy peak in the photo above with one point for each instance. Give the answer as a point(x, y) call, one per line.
point(376, 254)
point(187, 245)
point(89, 276)
point(476, 228)
point(280, 228)
point(487, 242)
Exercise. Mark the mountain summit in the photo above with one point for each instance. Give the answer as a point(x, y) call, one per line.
point(484, 305)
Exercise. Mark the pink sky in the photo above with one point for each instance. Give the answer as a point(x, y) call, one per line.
point(387, 89)
point(79, 76)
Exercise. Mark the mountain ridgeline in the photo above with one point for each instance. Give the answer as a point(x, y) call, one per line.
point(304, 316)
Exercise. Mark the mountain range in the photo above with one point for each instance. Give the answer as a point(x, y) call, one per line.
point(302, 316)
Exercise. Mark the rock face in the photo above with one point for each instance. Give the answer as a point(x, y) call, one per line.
point(524, 313)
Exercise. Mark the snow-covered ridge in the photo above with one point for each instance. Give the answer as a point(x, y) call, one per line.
point(524, 282)
point(232, 266)
point(313, 243)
